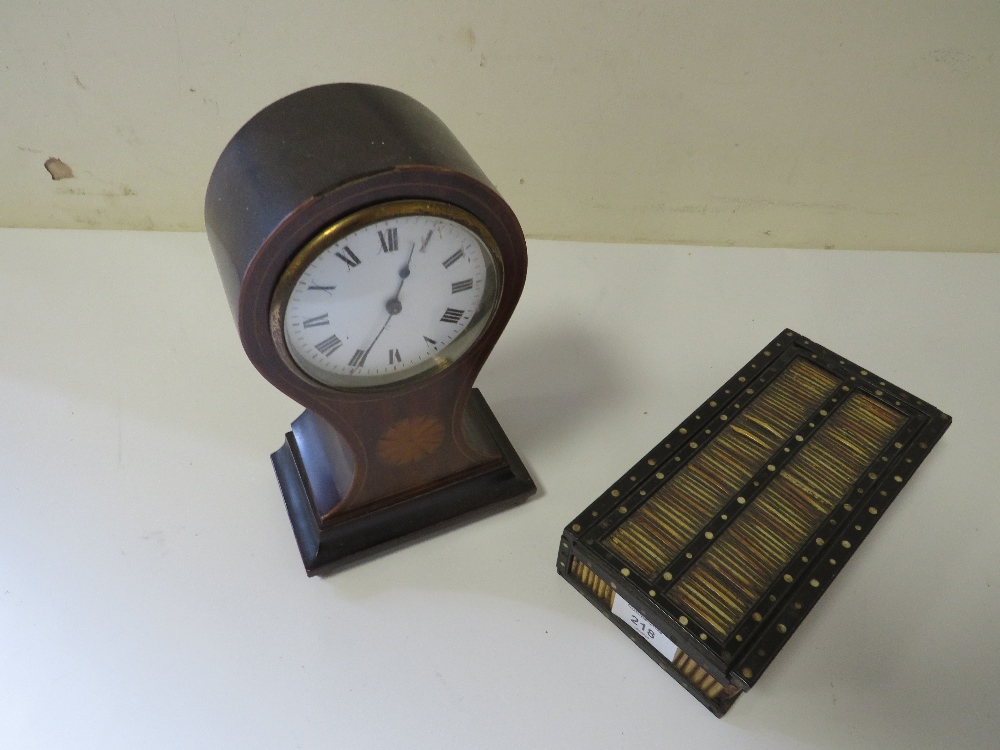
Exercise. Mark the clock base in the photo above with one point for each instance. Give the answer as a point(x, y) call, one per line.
point(338, 545)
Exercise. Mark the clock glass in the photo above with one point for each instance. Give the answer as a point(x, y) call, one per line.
point(392, 292)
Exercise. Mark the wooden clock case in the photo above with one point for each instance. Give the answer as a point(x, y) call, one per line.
point(301, 164)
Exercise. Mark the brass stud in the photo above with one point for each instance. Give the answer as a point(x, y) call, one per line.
point(659, 475)
point(682, 620)
point(782, 628)
point(797, 605)
point(767, 353)
point(739, 638)
point(615, 493)
point(823, 412)
point(622, 509)
point(761, 652)
point(688, 555)
point(788, 578)
point(652, 593)
point(747, 673)
point(749, 390)
point(845, 544)
point(703, 636)
point(593, 513)
point(848, 506)
point(625, 571)
point(832, 561)
point(576, 527)
point(878, 393)
point(709, 535)
point(723, 417)
point(742, 379)
point(898, 478)
point(819, 541)
point(725, 517)
point(857, 528)
point(872, 475)
point(805, 559)
point(741, 500)
point(666, 445)
point(844, 388)
point(642, 493)
point(693, 445)
point(712, 403)
point(799, 438)
point(873, 511)
point(683, 431)
point(651, 462)
point(770, 467)
point(668, 576)
point(757, 617)
point(864, 372)
point(814, 583)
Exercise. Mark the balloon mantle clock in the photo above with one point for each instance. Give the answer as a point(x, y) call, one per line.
point(370, 267)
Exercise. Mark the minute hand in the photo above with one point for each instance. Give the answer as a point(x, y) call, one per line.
point(393, 306)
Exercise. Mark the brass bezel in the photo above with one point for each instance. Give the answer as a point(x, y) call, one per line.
point(359, 220)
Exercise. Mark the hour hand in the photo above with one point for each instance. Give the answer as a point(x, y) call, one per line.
point(405, 270)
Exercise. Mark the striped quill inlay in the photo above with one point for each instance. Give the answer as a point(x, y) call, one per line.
point(723, 586)
point(591, 580)
point(674, 515)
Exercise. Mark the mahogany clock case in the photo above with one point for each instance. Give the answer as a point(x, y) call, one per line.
point(298, 166)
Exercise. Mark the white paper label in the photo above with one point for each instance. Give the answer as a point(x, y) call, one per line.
point(628, 613)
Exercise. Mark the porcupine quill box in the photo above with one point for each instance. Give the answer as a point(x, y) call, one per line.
point(711, 550)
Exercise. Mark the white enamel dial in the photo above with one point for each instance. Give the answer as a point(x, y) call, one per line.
point(388, 300)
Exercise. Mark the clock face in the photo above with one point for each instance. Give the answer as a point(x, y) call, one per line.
point(388, 294)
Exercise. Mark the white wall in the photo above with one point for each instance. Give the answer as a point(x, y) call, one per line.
point(846, 124)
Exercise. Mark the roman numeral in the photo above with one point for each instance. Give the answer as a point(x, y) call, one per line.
point(328, 346)
point(432, 342)
point(461, 286)
point(389, 240)
point(349, 257)
point(319, 320)
point(317, 287)
point(358, 360)
point(453, 258)
point(451, 315)
point(423, 245)
point(394, 356)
